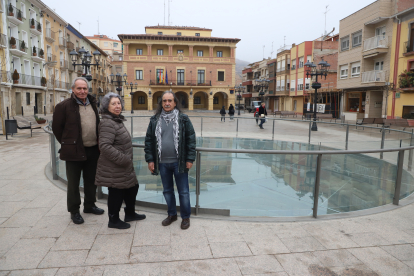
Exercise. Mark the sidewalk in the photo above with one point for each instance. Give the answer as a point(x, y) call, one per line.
point(38, 237)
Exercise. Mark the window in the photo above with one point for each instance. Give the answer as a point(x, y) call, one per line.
point(306, 86)
point(138, 74)
point(197, 100)
point(115, 44)
point(220, 76)
point(23, 8)
point(309, 58)
point(381, 31)
point(344, 71)
point(120, 58)
point(178, 33)
point(219, 53)
point(141, 100)
point(300, 86)
point(160, 76)
point(215, 100)
point(345, 43)
point(160, 52)
point(200, 76)
point(27, 98)
point(197, 34)
point(300, 62)
point(355, 69)
point(105, 44)
point(292, 85)
point(180, 76)
point(139, 52)
point(199, 53)
point(106, 52)
point(159, 33)
point(180, 51)
point(357, 39)
point(293, 64)
point(379, 66)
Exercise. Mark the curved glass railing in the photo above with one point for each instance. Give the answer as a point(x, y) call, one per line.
point(259, 177)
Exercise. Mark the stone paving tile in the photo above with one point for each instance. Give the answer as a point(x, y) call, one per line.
point(47, 201)
point(2, 198)
point(340, 257)
point(291, 230)
point(25, 217)
point(259, 264)
point(302, 244)
point(191, 251)
point(403, 252)
point(227, 266)
point(230, 249)
point(151, 253)
point(357, 270)
point(222, 232)
point(381, 262)
point(25, 195)
point(8, 209)
point(335, 240)
point(4, 273)
point(267, 246)
point(77, 237)
point(3, 220)
point(81, 271)
point(110, 249)
point(105, 230)
point(270, 274)
point(64, 258)
point(31, 272)
point(368, 239)
point(60, 209)
point(151, 233)
point(26, 254)
point(93, 219)
point(409, 263)
point(49, 227)
point(193, 235)
point(133, 269)
point(9, 236)
point(300, 264)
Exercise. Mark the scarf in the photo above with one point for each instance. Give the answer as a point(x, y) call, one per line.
point(168, 117)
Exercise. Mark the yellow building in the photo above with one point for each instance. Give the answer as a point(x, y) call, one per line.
point(400, 100)
point(108, 45)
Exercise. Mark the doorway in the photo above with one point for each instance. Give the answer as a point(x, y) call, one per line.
point(18, 104)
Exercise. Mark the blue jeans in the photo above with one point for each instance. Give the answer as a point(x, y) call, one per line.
point(262, 121)
point(167, 170)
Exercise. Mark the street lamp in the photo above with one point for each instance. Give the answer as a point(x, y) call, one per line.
point(313, 70)
point(119, 80)
point(239, 89)
point(132, 87)
point(262, 86)
point(86, 59)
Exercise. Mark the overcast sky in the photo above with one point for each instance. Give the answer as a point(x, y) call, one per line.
point(256, 23)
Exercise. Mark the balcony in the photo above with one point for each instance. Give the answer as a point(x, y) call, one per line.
point(375, 45)
point(70, 45)
point(35, 27)
point(3, 40)
point(183, 82)
point(60, 85)
point(62, 43)
point(247, 82)
point(64, 64)
point(26, 80)
point(18, 47)
point(408, 49)
point(373, 76)
point(51, 59)
point(37, 54)
point(14, 15)
point(50, 35)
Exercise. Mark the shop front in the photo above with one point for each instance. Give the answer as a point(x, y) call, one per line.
point(354, 106)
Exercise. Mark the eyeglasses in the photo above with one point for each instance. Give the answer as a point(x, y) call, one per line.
point(167, 100)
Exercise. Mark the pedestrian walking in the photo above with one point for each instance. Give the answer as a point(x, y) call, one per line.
point(257, 115)
point(115, 168)
point(75, 126)
point(231, 112)
point(263, 114)
point(223, 114)
point(170, 150)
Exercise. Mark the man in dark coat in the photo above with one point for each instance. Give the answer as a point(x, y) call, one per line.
point(75, 125)
point(262, 114)
point(170, 145)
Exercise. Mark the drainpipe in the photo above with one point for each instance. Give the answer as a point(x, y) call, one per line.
point(396, 59)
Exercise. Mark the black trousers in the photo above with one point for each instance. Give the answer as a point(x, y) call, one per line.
point(117, 196)
point(73, 173)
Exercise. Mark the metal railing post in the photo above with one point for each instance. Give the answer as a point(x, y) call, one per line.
point(198, 175)
point(201, 126)
point(410, 153)
point(99, 193)
point(382, 143)
point(53, 151)
point(310, 131)
point(132, 127)
point(273, 131)
point(397, 191)
point(317, 182)
point(346, 137)
point(237, 127)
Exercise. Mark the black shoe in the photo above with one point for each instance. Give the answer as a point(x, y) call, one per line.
point(134, 216)
point(94, 210)
point(185, 223)
point(261, 127)
point(169, 220)
point(76, 218)
point(117, 223)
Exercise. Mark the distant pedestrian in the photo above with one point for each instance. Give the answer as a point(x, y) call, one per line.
point(223, 114)
point(231, 112)
point(75, 126)
point(257, 115)
point(115, 168)
point(263, 114)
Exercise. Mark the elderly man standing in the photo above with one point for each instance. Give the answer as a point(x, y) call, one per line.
point(170, 150)
point(75, 125)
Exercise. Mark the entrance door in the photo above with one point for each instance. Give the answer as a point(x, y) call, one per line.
point(36, 103)
point(18, 104)
point(27, 73)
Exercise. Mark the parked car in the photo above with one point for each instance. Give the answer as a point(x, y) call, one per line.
point(253, 105)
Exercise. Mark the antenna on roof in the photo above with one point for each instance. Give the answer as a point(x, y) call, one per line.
point(169, 22)
point(263, 50)
point(326, 12)
point(271, 53)
point(79, 25)
point(164, 12)
point(98, 25)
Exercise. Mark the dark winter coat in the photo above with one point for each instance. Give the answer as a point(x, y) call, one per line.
point(67, 128)
point(186, 143)
point(262, 110)
point(231, 110)
point(115, 168)
point(222, 111)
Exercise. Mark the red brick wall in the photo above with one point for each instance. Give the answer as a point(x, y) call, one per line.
point(404, 4)
point(331, 79)
point(326, 45)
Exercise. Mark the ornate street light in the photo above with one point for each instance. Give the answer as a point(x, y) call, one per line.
point(86, 59)
point(262, 86)
point(313, 70)
point(132, 87)
point(240, 90)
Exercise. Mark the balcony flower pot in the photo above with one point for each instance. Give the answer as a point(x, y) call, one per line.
point(43, 81)
point(19, 15)
point(15, 77)
point(39, 27)
point(11, 13)
point(316, 85)
point(32, 23)
point(34, 51)
point(40, 121)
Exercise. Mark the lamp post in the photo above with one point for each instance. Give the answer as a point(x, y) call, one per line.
point(313, 70)
point(262, 86)
point(131, 87)
point(119, 81)
point(86, 59)
point(239, 89)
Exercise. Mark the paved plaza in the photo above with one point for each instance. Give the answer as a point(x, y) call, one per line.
point(37, 236)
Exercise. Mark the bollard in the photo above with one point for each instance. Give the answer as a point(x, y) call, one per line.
point(382, 142)
point(346, 137)
point(34, 111)
point(198, 175)
point(44, 109)
point(53, 152)
point(7, 110)
point(22, 111)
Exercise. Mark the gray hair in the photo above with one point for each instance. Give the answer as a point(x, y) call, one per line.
point(80, 78)
point(107, 99)
point(159, 106)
